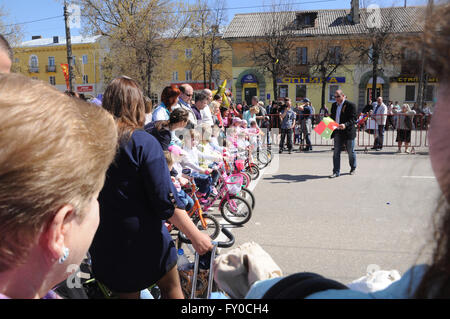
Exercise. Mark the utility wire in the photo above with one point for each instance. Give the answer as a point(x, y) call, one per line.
point(28, 22)
point(186, 11)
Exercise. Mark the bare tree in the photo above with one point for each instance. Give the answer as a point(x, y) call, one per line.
point(271, 52)
point(139, 34)
point(206, 24)
point(327, 58)
point(13, 33)
point(378, 45)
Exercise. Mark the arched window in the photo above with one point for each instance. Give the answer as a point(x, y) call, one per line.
point(34, 62)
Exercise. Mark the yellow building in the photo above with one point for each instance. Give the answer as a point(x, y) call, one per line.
point(396, 81)
point(42, 58)
point(185, 63)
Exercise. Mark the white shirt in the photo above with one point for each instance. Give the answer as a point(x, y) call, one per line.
point(192, 118)
point(160, 114)
point(148, 118)
point(207, 117)
point(380, 112)
point(338, 112)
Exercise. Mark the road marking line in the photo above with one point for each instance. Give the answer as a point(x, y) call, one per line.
point(419, 177)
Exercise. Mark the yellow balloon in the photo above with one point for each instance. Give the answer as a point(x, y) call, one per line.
point(221, 91)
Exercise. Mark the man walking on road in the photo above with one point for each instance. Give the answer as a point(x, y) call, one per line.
point(287, 126)
point(344, 113)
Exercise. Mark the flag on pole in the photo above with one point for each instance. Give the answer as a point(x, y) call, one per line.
point(362, 118)
point(65, 69)
point(326, 127)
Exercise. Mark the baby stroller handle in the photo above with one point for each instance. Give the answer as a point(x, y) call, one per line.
point(226, 244)
point(221, 244)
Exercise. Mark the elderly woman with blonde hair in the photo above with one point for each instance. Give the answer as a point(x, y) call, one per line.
point(55, 152)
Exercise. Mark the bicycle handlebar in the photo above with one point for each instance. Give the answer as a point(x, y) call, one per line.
point(221, 244)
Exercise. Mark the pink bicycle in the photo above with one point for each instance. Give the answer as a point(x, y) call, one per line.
point(233, 208)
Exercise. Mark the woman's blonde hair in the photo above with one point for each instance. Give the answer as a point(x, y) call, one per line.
point(55, 151)
point(255, 108)
point(408, 108)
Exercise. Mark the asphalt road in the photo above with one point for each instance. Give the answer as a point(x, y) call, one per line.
point(338, 227)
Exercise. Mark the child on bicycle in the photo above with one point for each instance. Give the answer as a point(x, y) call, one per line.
point(191, 165)
point(178, 181)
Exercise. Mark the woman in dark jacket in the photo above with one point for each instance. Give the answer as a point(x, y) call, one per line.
point(132, 248)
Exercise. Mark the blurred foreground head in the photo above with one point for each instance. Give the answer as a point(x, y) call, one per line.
point(55, 151)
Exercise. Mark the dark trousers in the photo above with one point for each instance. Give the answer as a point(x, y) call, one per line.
point(286, 133)
point(339, 142)
point(307, 140)
point(379, 137)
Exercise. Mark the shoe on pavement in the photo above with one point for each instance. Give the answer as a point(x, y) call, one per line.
point(353, 171)
point(334, 175)
point(407, 152)
point(398, 151)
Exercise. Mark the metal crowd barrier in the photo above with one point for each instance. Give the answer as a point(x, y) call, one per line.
point(365, 132)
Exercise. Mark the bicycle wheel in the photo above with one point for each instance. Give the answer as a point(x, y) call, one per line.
point(263, 159)
point(236, 210)
point(253, 171)
point(247, 194)
point(212, 226)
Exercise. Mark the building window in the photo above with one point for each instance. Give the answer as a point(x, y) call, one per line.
point(410, 93)
point(371, 56)
point(52, 80)
point(335, 55)
point(85, 59)
point(302, 55)
point(51, 67)
point(215, 76)
point(188, 75)
point(410, 55)
point(34, 62)
point(283, 91)
point(429, 93)
point(331, 91)
point(85, 79)
point(304, 20)
point(154, 98)
point(174, 76)
point(300, 92)
point(74, 60)
point(216, 56)
point(188, 53)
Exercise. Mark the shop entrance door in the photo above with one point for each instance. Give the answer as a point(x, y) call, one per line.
point(248, 94)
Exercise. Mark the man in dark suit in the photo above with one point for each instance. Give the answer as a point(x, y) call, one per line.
point(344, 113)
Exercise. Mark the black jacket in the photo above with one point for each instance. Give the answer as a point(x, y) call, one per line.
point(348, 117)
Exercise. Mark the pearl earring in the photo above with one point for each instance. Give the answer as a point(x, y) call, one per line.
point(63, 258)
